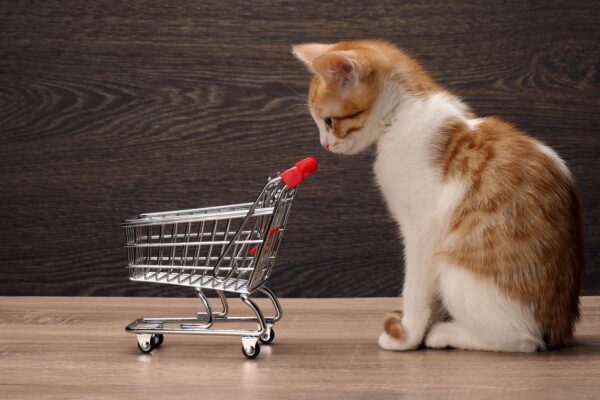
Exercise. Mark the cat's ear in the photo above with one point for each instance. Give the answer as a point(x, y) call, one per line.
point(309, 51)
point(338, 68)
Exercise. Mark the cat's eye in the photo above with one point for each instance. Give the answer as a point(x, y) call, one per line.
point(329, 122)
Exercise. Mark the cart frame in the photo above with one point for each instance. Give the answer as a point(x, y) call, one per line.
point(178, 247)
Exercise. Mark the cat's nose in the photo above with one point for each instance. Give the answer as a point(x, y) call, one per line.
point(326, 146)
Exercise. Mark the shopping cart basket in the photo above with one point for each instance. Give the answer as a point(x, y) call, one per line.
point(225, 249)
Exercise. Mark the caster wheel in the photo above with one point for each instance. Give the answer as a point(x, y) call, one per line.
point(252, 352)
point(268, 337)
point(157, 340)
point(146, 347)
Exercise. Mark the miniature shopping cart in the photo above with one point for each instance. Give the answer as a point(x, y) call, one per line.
point(223, 249)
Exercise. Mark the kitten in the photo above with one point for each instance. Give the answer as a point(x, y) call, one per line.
point(489, 216)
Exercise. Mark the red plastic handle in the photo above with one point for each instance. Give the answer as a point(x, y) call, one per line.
point(303, 168)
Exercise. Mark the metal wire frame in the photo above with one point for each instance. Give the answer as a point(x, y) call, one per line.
point(226, 249)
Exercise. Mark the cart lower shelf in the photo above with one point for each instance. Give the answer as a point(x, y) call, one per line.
point(150, 331)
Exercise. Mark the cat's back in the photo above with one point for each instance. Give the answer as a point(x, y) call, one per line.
point(519, 222)
point(503, 167)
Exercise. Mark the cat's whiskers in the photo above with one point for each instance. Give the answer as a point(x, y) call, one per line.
point(304, 108)
point(299, 94)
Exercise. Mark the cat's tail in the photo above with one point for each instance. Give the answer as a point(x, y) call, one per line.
point(392, 325)
point(560, 333)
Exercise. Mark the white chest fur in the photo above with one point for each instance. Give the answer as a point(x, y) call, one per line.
point(404, 168)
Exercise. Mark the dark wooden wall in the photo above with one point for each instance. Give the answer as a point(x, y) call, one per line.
point(110, 108)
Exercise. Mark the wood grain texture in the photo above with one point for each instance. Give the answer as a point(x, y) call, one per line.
point(114, 108)
point(76, 348)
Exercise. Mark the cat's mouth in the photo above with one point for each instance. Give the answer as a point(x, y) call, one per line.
point(341, 147)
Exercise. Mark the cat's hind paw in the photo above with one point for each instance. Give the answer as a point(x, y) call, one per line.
point(438, 337)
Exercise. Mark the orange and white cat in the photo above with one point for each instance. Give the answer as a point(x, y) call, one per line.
point(489, 216)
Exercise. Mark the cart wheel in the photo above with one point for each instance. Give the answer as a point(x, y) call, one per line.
point(268, 337)
point(157, 340)
point(252, 352)
point(146, 347)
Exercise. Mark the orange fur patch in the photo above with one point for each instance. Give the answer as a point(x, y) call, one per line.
point(519, 223)
point(390, 63)
point(392, 325)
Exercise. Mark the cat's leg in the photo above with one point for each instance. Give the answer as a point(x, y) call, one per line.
point(392, 323)
point(405, 330)
point(483, 317)
point(453, 334)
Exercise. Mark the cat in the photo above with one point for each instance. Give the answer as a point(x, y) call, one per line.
point(489, 217)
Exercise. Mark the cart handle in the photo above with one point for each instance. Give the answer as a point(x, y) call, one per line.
point(295, 175)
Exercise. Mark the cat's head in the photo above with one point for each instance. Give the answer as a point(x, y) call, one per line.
point(354, 88)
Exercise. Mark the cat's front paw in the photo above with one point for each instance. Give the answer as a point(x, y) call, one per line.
point(394, 337)
point(386, 342)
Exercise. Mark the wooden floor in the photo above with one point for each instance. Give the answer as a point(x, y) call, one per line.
point(325, 348)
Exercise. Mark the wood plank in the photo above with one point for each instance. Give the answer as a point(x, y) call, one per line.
point(112, 109)
point(57, 347)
